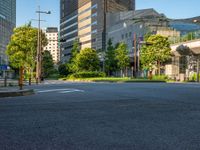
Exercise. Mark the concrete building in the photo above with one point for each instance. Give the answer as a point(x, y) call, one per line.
point(123, 26)
point(7, 23)
point(130, 27)
point(53, 44)
point(85, 20)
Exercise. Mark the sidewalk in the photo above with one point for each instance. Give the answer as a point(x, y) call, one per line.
point(14, 91)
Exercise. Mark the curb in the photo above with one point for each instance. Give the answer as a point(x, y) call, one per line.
point(16, 93)
point(104, 81)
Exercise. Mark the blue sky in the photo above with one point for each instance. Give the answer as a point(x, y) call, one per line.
point(171, 8)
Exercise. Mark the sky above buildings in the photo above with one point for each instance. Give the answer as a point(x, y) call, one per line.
point(171, 8)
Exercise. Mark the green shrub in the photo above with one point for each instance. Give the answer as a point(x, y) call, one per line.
point(160, 77)
point(87, 75)
point(193, 77)
point(53, 76)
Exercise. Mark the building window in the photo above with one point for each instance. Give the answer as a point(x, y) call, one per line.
point(122, 36)
point(130, 34)
point(126, 35)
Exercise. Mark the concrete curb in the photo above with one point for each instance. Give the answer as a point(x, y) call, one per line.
point(104, 81)
point(16, 93)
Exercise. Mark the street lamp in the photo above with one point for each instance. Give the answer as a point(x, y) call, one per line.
point(39, 57)
point(198, 61)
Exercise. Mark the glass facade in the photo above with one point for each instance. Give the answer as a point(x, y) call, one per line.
point(7, 23)
point(85, 21)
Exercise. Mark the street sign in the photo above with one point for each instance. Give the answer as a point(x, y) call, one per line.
point(4, 67)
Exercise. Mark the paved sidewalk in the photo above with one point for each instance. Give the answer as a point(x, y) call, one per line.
point(14, 91)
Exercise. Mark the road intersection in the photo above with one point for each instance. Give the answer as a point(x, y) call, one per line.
point(96, 116)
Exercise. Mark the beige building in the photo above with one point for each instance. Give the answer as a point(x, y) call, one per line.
point(53, 44)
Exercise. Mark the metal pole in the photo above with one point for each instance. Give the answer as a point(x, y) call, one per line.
point(198, 69)
point(5, 78)
point(135, 54)
point(38, 50)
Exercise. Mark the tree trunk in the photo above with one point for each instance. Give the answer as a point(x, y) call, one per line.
point(159, 68)
point(150, 75)
point(30, 77)
point(121, 73)
point(21, 78)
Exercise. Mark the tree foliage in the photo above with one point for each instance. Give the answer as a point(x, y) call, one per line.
point(74, 52)
point(47, 64)
point(87, 60)
point(22, 48)
point(63, 70)
point(110, 60)
point(75, 49)
point(122, 56)
point(155, 51)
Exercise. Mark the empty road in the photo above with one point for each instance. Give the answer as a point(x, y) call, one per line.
point(103, 116)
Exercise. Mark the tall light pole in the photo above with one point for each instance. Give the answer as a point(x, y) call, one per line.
point(198, 60)
point(39, 44)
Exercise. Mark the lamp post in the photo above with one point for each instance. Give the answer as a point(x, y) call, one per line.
point(198, 61)
point(39, 44)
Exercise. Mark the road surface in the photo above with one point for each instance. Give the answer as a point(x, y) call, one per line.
point(103, 116)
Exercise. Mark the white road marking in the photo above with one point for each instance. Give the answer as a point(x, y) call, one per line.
point(71, 91)
point(60, 91)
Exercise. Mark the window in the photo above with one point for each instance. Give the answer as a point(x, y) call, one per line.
point(122, 36)
point(130, 34)
point(126, 35)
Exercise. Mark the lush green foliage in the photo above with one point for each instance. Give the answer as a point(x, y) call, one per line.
point(86, 60)
point(160, 77)
point(193, 77)
point(71, 67)
point(106, 79)
point(110, 60)
point(155, 51)
point(22, 48)
point(47, 64)
point(63, 70)
point(122, 57)
point(87, 75)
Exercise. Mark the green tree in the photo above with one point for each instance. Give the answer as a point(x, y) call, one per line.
point(155, 52)
point(47, 64)
point(63, 70)
point(189, 36)
point(110, 61)
point(22, 50)
point(122, 57)
point(75, 49)
point(74, 52)
point(87, 60)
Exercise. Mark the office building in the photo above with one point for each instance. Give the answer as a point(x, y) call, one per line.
point(53, 44)
point(124, 25)
point(85, 20)
point(7, 23)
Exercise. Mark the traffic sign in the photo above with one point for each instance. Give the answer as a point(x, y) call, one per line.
point(4, 67)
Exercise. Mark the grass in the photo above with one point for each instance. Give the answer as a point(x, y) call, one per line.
point(111, 79)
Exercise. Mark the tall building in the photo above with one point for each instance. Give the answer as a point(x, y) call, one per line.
point(85, 20)
point(7, 23)
point(53, 44)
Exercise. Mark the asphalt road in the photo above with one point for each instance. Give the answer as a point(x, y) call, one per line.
point(103, 116)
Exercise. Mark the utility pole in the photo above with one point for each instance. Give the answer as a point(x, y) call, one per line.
point(135, 55)
point(39, 47)
point(198, 69)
